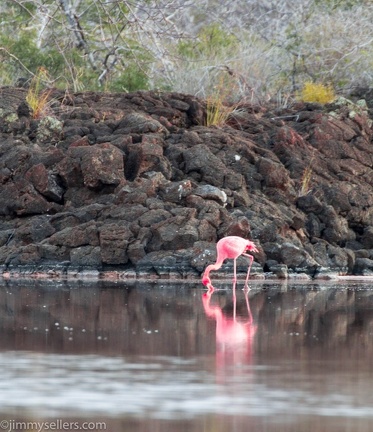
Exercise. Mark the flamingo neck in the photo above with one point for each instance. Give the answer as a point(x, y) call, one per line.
point(206, 275)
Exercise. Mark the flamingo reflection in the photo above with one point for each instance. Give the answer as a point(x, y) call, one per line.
point(234, 334)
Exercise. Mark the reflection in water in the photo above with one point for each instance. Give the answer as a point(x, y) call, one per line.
point(140, 356)
point(234, 332)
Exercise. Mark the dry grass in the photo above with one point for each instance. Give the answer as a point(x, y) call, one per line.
point(217, 113)
point(218, 105)
point(305, 188)
point(38, 99)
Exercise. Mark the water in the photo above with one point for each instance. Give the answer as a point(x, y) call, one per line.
point(164, 356)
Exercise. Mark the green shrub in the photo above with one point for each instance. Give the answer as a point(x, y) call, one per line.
point(132, 78)
point(212, 40)
point(29, 56)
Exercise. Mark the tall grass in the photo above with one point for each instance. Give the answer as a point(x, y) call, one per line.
point(37, 98)
point(219, 105)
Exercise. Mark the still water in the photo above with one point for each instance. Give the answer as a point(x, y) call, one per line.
point(169, 356)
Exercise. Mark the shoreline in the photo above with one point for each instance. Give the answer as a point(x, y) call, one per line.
point(132, 275)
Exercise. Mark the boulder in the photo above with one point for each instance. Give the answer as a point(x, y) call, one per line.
point(86, 256)
point(21, 198)
point(138, 123)
point(146, 156)
point(367, 237)
point(174, 233)
point(114, 240)
point(202, 165)
point(45, 182)
point(81, 235)
point(363, 266)
point(212, 193)
point(296, 258)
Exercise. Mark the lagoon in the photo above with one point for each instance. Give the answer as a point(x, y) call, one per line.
point(166, 356)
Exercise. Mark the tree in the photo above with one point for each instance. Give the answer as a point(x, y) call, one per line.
point(99, 42)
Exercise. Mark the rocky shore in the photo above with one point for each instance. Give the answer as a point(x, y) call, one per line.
point(134, 185)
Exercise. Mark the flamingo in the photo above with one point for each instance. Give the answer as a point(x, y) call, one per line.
point(230, 247)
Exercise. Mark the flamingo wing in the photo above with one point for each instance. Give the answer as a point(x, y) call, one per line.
point(231, 247)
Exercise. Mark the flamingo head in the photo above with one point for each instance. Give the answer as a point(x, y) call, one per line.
point(251, 247)
point(206, 281)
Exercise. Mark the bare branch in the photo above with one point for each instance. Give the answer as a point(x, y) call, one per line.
point(75, 26)
point(17, 60)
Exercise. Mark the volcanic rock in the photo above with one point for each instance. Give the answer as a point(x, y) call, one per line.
point(136, 183)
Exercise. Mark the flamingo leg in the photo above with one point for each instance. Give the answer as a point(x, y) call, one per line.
point(234, 271)
point(248, 306)
point(234, 302)
point(251, 258)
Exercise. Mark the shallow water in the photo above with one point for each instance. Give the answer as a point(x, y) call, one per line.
point(163, 356)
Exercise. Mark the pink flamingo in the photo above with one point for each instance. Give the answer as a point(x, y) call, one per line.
point(230, 247)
